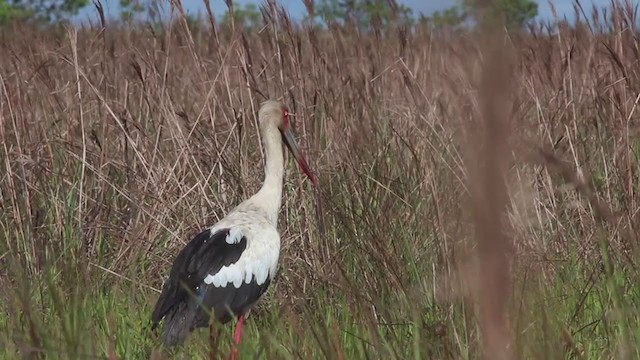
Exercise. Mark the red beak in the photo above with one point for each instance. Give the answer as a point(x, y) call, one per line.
point(290, 141)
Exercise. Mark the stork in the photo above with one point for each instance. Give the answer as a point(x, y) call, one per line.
point(224, 269)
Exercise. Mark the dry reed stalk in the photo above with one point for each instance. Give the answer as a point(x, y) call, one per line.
point(490, 194)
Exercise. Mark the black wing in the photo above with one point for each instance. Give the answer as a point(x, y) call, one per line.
point(183, 294)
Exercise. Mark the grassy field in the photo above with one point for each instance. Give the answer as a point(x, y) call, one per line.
point(472, 187)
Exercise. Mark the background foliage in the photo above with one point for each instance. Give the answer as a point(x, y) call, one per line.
point(364, 13)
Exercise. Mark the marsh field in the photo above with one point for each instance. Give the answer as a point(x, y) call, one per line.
point(478, 189)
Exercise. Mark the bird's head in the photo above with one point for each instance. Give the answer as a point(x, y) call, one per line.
point(274, 114)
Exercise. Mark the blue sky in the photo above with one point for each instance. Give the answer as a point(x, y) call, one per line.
point(296, 7)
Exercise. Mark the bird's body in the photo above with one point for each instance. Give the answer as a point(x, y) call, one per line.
point(225, 269)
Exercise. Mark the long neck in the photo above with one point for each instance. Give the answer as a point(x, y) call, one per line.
point(269, 198)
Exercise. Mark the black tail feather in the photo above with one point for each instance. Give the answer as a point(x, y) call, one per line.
point(177, 324)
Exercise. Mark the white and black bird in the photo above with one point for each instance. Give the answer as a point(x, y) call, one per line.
point(225, 269)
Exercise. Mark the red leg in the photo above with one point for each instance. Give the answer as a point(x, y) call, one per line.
point(237, 338)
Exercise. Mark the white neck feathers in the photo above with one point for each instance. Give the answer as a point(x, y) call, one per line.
point(269, 197)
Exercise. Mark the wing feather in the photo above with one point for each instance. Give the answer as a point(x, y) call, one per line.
point(206, 253)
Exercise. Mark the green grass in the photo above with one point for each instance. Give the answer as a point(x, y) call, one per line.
point(85, 319)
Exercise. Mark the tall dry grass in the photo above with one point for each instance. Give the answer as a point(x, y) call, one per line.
point(120, 143)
